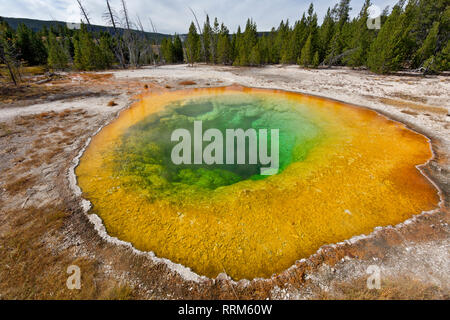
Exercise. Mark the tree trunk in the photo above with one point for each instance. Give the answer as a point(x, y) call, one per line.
point(11, 73)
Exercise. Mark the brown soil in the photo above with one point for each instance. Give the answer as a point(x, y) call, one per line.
point(187, 83)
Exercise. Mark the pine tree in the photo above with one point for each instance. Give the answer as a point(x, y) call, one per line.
point(426, 14)
point(242, 58)
point(282, 43)
point(272, 50)
point(342, 13)
point(57, 56)
point(30, 46)
point(428, 47)
point(313, 30)
point(430, 34)
point(44, 31)
point(326, 33)
point(442, 61)
point(106, 53)
point(306, 55)
point(224, 54)
point(192, 45)
point(178, 54)
point(167, 50)
point(316, 60)
point(23, 42)
point(206, 40)
point(40, 52)
point(361, 39)
point(37, 53)
point(393, 44)
point(299, 36)
point(82, 45)
point(236, 44)
point(264, 50)
point(214, 41)
point(255, 56)
point(247, 43)
point(89, 54)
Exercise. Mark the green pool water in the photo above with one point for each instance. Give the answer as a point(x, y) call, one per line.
point(144, 154)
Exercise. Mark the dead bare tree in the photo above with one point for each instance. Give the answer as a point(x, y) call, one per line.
point(155, 31)
point(5, 61)
point(130, 37)
point(84, 13)
point(111, 19)
point(125, 15)
point(144, 44)
point(202, 38)
point(9, 57)
point(334, 59)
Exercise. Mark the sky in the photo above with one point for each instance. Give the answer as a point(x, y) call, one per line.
point(173, 16)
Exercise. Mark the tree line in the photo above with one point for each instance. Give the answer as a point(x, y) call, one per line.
point(413, 35)
point(126, 44)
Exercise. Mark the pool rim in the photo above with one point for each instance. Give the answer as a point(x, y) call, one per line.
point(186, 272)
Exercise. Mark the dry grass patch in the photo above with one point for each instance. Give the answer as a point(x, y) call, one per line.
point(79, 112)
point(7, 131)
point(413, 106)
point(65, 141)
point(96, 76)
point(20, 184)
point(65, 113)
point(71, 112)
point(9, 93)
point(46, 115)
point(29, 269)
point(23, 121)
point(403, 288)
point(69, 134)
point(411, 113)
point(55, 129)
point(18, 160)
point(34, 70)
point(120, 292)
point(408, 97)
point(49, 156)
point(32, 163)
point(29, 152)
point(41, 143)
point(11, 150)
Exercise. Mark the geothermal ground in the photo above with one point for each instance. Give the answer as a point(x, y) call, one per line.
point(46, 124)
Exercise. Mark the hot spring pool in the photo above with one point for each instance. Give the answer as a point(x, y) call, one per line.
point(342, 172)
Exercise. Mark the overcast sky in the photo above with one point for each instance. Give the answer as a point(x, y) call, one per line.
point(172, 16)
